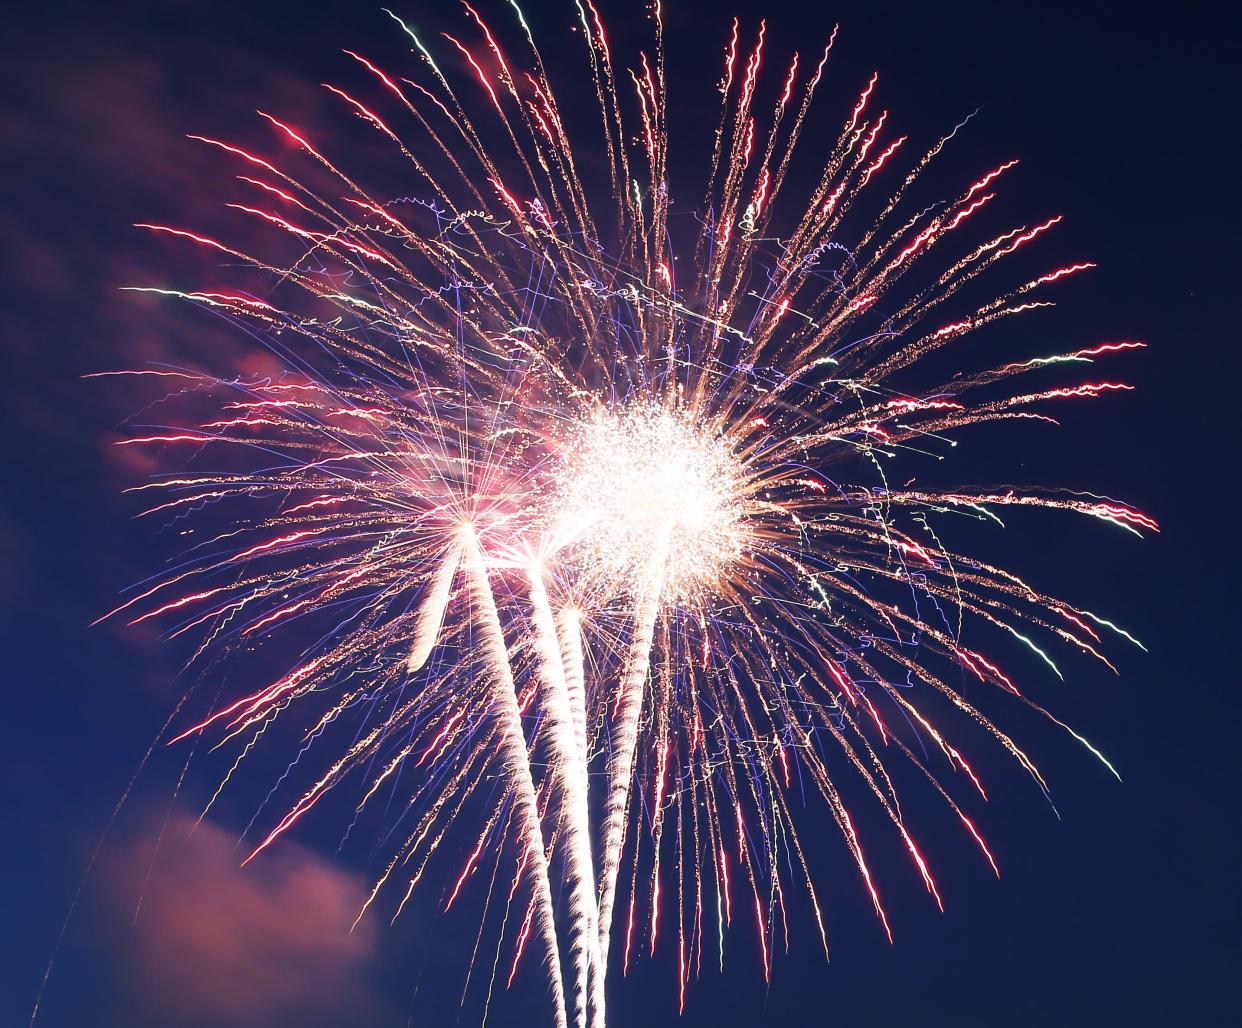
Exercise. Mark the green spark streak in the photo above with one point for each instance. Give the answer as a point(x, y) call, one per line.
point(522, 20)
point(986, 513)
point(1060, 359)
point(197, 297)
point(1047, 660)
point(422, 49)
point(1100, 756)
point(1120, 631)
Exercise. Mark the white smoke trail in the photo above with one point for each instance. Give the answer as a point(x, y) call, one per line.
point(515, 755)
point(570, 775)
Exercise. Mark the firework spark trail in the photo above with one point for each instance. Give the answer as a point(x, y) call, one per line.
point(516, 757)
point(632, 687)
point(569, 632)
point(570, 776)
point(431, 617)
point(734, 595)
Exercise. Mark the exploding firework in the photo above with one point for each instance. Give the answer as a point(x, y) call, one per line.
point(542, 505)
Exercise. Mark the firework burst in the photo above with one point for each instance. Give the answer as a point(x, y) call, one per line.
point(543, 505)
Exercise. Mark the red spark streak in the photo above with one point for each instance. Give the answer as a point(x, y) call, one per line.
point(866, 873)
point(862, 102)
point(1126, 514)
point(922, 864)
point(440, 737)
point(916, 550)
point(967, 212)
point(365, 112)
point(1079, 622)
point(336, 586)
point(292, 135)
point(234, 422)
point(1026, 237)
point(789, 82)
point(873, 135)
point(1062, 272)
point(286, 823)
point(175, 604)
point(376, 72)
point(763, 938)
point(508, 198)
point(982, 845)
point(478, 71)
point(909, 405)
point(181, 232)
point(281, 541)
point(319, 501)
point(655, 908)
point(919, 240)
point(842, 680)
point(278, 192)
point(831, 203)
point(987, 664)
point(1108, 348)
point(1087, 389)
point(989, 177)
point(955, 326)
point(521, 948)
point(464, 874)
point(258, 699)
point(752, 67)
point(239, 152)
point(823, 60)
point(599, 31)
point(629, 939)
point(879, 162)
point(167, 439)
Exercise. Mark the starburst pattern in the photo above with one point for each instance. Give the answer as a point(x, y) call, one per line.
point(543, 504)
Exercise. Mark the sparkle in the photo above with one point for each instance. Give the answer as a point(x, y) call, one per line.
point(644, 479)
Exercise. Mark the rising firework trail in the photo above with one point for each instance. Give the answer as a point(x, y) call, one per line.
point(595, 525)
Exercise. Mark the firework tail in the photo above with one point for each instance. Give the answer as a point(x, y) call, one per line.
point(431, 617)
point(515, 756)
point(569, 632)
point(625, 738)
point(570, 776)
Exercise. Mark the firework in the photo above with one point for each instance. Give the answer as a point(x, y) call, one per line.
point(543, 505)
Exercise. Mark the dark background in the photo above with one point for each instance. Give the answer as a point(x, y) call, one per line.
point(1124, 912)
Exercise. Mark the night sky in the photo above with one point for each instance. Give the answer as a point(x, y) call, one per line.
point(1123, 912)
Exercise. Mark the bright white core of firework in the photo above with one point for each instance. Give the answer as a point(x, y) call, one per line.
point(647, 491)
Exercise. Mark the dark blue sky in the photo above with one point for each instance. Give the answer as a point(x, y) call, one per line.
point(1124, 912)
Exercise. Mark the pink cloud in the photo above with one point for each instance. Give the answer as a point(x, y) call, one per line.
point(215, 944)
